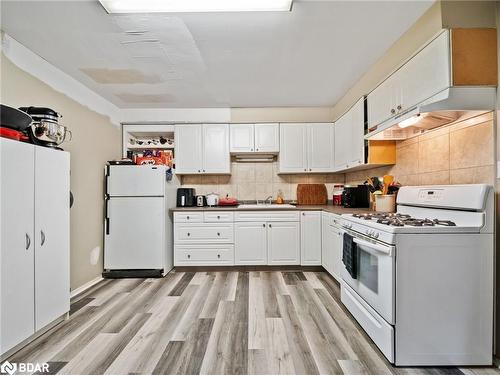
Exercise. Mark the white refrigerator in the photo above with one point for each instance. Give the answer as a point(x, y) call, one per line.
point(137, 225)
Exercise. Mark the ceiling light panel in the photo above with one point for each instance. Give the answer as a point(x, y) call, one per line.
point(182, 6)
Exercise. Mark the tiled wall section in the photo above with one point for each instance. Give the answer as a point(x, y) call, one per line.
point(250, 181)
point(461, 153)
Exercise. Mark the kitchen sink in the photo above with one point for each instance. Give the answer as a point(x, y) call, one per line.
point(262, 206)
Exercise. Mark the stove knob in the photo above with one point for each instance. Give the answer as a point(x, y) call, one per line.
point(367, 232)
point(376, 235)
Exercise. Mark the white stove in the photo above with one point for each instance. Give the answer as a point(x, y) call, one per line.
point(422, 287)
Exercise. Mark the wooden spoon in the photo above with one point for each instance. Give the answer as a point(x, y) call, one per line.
point(388, 179)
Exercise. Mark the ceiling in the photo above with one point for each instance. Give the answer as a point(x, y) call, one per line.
point(307, 57)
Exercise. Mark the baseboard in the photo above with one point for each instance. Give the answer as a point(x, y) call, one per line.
point(85, 286)
point(242, 268)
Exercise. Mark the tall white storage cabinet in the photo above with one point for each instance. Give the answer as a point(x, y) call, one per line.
point(34, 256)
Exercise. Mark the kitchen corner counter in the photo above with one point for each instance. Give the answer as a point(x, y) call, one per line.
point(338, 210)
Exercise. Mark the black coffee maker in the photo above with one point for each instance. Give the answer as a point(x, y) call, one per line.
point(185, 197)
point(356, 196)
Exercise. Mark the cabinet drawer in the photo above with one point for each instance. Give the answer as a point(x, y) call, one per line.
point(204, 255)
point(188, 217)
point(203, 232)
point(216, 217)
point(267, 216)
point(331, 219)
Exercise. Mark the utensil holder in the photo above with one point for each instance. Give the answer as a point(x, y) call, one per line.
point(385, 203)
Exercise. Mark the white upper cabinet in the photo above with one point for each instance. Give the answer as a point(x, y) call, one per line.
point(242, 137)
point(320, 147)
point(293, 144)
point(188, 152)
point(202, 149)
point(349, 137)
point(424, 75)
point(267, 138)
point(306, 148)
point(216, 158)
point(254, 138)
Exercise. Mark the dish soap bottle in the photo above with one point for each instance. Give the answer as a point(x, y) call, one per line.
point(280, 199)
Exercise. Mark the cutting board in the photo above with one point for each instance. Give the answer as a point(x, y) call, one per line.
point(311, 194)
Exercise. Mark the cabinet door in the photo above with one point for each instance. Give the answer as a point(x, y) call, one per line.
point(292, 157)
point(267, 138)
point(357, 151)
point(188, 149)
point(426, 74)
point(51, 235)
point(283, 243)
point(17, 294)
point(320, 145)
point(337, 238)
point(216, 158)
point(328, 238)
point(310, 238)
point(382, 102)
point(250, 243)
point(342, 142)
point(242, 137)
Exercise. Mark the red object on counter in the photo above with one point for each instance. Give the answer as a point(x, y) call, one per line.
point(13, 134)
point(228, 202)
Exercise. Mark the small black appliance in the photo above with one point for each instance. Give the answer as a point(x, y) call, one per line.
point(356, 196)
point(185, 197)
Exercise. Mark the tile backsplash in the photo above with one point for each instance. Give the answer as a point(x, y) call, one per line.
point(250, 181)
point(460, 153)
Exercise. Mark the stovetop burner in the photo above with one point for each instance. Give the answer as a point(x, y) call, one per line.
point(400, 220)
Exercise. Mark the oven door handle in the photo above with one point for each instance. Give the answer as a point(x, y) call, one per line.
point(380, 248)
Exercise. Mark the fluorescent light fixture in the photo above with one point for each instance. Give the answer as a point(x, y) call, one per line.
point(181, 6)
point(410, 121)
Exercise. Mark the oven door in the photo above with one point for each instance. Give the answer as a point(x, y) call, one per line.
point(375, 275)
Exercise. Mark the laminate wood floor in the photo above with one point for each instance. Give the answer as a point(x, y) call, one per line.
point(215, 323)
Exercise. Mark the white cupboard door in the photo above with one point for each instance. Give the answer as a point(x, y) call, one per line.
point(342, 142)
point(382, 102)
point(320, 153)
point(310, 238)
point(188, 149)
point(141, 180)
point(51, 238)
point(267, 138)
point(426, 74)
point(357, 152)
point(17, 243)
point(216, 158)
point(250, 243)
point(134, 233)
point(242, 137)
point(283, 243)
point(292, 157)
point(337, 236)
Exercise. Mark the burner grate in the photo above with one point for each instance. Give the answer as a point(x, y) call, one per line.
point(400, 220)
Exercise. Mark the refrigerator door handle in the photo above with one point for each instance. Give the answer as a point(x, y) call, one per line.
point(106, 218)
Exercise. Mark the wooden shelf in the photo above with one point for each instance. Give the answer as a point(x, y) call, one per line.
point(150, 147)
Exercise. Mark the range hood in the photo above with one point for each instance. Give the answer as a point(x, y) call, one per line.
point(450, 105)
point(254, 158)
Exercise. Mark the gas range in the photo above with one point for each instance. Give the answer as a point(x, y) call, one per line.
point(400, 220)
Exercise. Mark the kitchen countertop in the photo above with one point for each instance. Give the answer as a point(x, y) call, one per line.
point(339, 210)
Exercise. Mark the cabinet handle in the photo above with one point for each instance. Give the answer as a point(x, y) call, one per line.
point(218, 233)
point(264, 225)
point(310, 169)
point(203, 170)
point(187, 217)
point(251, 149)
point(28, 241)
point(257, 149)
point(270, 226)
point(303, 214)
point(189, 256)
point(399, 107)
point(393, 111)
point(218, 217)
point(199, 170)
point(42, 238)
point(218, 255)
point(305, 169)
point(188, 234)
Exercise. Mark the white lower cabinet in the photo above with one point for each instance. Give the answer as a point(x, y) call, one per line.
point(310, 238)
point(250, 243)
point(283, 243)
point(34, 276)
point(331, 247)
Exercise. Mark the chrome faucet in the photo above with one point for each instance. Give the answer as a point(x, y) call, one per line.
point(269, 199)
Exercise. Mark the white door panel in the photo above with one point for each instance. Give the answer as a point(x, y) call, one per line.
point(188, 149)
point(216, 157)
point(136, 180)
point(51, 238)
point(342, 141)
point(320, 155)
point(250, 243)
point(357, 152)
point(17, 243)
point(134, 237)
point(293, 142)
point(267, 138)
point(283, 239)
point(242, 137)
point(310, 227)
